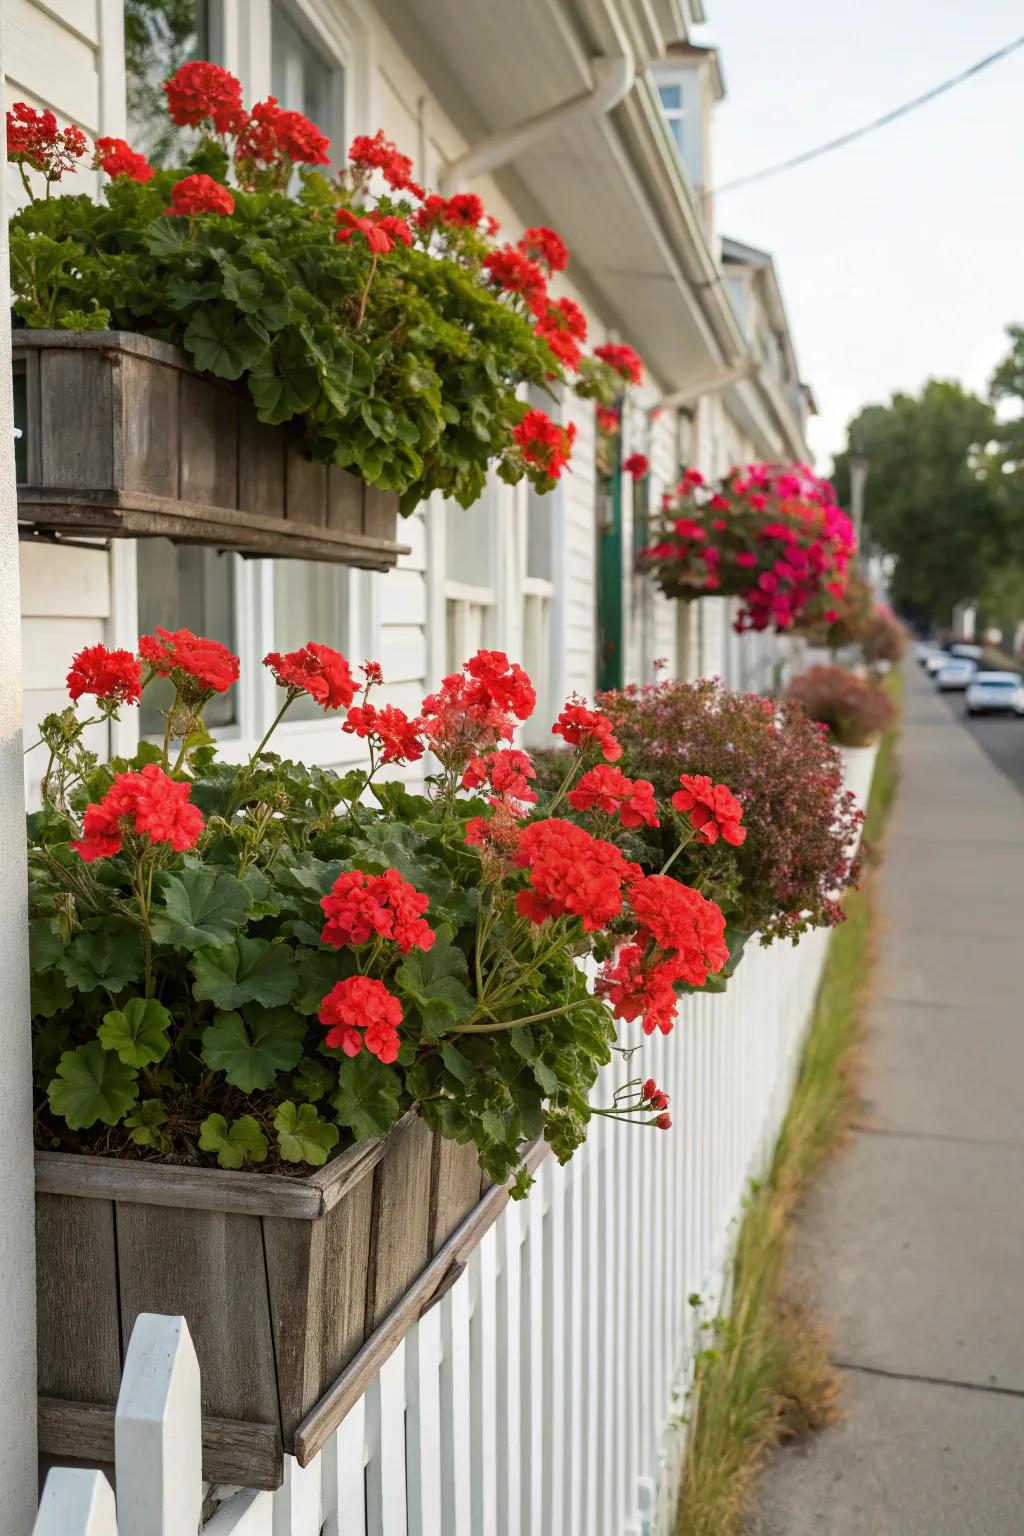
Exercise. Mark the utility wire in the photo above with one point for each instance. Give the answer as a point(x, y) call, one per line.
point(875, 124)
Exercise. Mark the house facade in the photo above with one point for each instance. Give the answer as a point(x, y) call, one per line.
point(594, 119)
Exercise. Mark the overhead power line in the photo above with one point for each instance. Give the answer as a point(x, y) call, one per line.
point(875, 124)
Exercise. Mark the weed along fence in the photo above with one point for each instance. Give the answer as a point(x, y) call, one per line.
point(544, 1391)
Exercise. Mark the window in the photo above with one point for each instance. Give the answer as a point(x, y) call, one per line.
point(299, 78)
point(311, 602)
point(160, 36)
point(679, 90)
point(469, 576)
point(675, 115)
point(183, 587)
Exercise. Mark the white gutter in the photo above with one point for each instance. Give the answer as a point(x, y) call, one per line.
point(612, 81)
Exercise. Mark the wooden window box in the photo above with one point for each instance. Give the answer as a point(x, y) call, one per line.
point(123, 438)
point(295, 1290)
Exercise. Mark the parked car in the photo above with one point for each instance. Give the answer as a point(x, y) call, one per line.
point(955, 674)
point(971, 652)
point(998, 692)
point(923, 649)
point(935, 661)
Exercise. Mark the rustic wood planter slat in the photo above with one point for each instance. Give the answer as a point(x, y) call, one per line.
point(294, 1289)
point(124, 439)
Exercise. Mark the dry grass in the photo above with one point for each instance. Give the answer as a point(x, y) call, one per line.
point(763, 1376)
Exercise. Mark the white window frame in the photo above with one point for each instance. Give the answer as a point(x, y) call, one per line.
point(243, 29)
point(689, 146)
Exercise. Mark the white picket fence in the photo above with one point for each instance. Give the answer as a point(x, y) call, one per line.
point(546, 1394)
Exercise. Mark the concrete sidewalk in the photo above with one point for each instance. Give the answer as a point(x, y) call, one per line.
point(912, 1242)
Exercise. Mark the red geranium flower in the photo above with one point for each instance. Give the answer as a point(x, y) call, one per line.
point(198, 194)
point(563, 328)
point(34, 139)
point(361, 1011)
point(475, 709)
point(113, 676)
point(543, 443)
point(712, 808)
point(272, 135)
point(622, 359)
point(545, 246)
point(586, 728)
point(379, 154)
point(571, 874)
point(508, 773)
point(201, 92)
point(117, 158)
point(609, 790)
point(635, 990)
point(148, 803)
point(190, 660)
point(317, 670)
point(687, 930)
point(394, 735)
point(608, 419)
point(360, 907)
point(380, 231)
point(636, 465)
point(515, 273)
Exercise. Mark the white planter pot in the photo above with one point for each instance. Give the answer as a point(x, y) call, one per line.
point(858, 770)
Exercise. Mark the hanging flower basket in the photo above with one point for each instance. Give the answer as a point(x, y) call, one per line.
point(770, 535)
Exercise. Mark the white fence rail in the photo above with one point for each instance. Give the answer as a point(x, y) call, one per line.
point(544, 1395)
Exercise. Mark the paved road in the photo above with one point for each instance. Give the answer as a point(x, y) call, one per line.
point(1000, 737)
point(912, 1242)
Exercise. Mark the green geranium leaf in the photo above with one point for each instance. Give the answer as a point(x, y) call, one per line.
point(302, 1136)
point(110, 958)
point(45, 945)
point(137, 1032)
point(436, 981)
point(50, 994)
point(235, 1144)
point(368, 1096)
point(49, 1042)
point(458, 1065)
point(312, 1079)
point(221, 344)
point(145, 1125)
point(92, 1084)
point(199, 908)
point(251, 1051)
point(246, 971)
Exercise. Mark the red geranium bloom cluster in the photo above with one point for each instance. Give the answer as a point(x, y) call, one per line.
point(608, 790)
point(622, 359)
point(198, 666)
point(771, 535)
point(713, 810)
point(361, 1011)
point(475, 709)
point(147, 803)
point(635, 990)
point(508, 774)
point(379, 154)
point(563, 328)
point(115, 677)
point(360, 907)
point(515, 273)
point(656, 1097)
point(586, 728)
point(636, 465)
point(393, 735)
point(275, 138)
point(545, 246)
point(463, 211)
point(117, 158)
point(198, 194)
point(682, 924)
point(381, 231)
point(608, 419)
point(571, 874)
point(34, 139)
point(543, 443)
point(200, 93)
point(317, 670)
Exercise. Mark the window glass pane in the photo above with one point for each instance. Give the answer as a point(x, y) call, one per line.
point(299, 78)
point(676, 128)
point(184, 587)
point(160, 36)
point(468, 535)
point(311, 602)
point(671, 97)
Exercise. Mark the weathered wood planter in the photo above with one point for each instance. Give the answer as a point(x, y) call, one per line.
point(295, 1290)
point(123, 438)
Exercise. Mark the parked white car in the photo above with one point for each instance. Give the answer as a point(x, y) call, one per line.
point(971, 652)
point(923, 649)
point(936, 660)
point(955, 674)
point(998, 692)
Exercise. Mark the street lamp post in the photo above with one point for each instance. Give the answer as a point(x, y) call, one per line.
point(858, 480)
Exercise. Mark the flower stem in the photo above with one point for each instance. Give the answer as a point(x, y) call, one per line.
point(290, 698)
point(366, 292)
point(530, 1018)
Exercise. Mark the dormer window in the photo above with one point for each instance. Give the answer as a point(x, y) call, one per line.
point(679, 90)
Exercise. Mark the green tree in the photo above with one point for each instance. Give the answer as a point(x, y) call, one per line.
point(933, 499)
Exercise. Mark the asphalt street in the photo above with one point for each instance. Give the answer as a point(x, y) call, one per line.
point(1000, 737)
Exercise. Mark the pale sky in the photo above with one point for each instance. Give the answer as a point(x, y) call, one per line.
point(901, 257)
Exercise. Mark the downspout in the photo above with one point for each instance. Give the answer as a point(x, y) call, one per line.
point(612, 80)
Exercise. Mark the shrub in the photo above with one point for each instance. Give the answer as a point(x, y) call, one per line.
point(884, 638)
point(854, 709)
point(392, 329)
point(794, 863)
point(258, 962)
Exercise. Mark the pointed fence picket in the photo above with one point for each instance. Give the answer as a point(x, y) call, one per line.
point(545, 1394)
